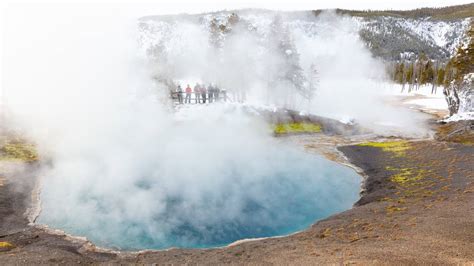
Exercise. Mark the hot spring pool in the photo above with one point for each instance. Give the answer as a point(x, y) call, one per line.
point(188, 207)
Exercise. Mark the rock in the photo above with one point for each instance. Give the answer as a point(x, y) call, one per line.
point(460, 95)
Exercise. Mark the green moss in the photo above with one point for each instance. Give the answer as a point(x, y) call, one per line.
point(414, 183)
point(18, 150)
point(402, 177)
point(397, 147)
point(6, 245)
point(325, 233)
point(407, 176)
point(287, 128)
point(392, 209)
point(466, 142)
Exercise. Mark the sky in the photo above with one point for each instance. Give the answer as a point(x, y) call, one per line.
point(187, 6)
point(147, 7)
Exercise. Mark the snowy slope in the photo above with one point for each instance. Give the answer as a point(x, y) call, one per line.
point(394, 38)
point(390, 38)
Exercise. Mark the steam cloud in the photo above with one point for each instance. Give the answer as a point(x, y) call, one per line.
point(76, 83)
point(264, 46)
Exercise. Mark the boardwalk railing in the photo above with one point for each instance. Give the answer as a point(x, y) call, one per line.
point(196, 97)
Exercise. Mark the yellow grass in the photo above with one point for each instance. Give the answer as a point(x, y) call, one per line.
point(6, 245)
point(296, 127)
point(18, 150)
point(397, 147)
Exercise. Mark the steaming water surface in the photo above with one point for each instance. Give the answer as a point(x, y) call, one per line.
point(125, 174)
point(299, 189)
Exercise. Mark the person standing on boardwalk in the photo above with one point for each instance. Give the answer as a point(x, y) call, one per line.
point(179, 90)
point(197, 93)
point(188, 94)
point(203, 93)
point(224, 94)
point(216, 93)
point(210, 92)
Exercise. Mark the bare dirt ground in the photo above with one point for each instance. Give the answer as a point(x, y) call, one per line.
point(417, 208)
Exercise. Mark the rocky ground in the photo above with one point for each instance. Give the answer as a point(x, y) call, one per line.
point(417, 207)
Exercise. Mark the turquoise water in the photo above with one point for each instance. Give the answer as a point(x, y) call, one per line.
point(293, 190)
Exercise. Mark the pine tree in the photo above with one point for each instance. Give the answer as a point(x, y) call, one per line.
point(404, 75)
point(429, 72)
point(400, 73)
point(440, 76)
point(463, 61)
point(313, 79)
point(462, 64)
point(290, 73)
point(410, 76)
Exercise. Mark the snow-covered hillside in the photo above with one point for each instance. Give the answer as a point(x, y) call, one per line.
point(390, 38)
point(395, 38)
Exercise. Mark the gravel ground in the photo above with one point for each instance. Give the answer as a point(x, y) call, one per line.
point(417, 206)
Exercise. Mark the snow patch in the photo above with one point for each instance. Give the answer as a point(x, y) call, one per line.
point(430, 104)
point(460, 117)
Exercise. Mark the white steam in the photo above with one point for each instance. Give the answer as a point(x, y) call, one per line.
point(269, 57)
point(123, 167)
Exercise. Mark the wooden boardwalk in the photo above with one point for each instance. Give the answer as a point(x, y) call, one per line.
point(198, 98)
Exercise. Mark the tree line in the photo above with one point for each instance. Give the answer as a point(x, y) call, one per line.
point(441, 13)
point(450, 75)
point(421, 71)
